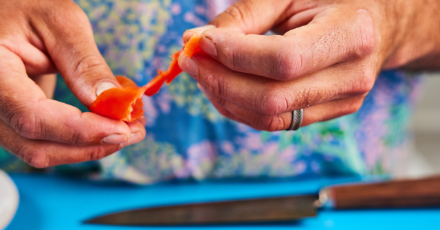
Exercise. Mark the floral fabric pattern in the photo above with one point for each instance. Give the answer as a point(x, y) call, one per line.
point(188, 139)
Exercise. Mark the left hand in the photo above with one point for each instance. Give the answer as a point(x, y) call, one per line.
point(42, 37)
point(326, 61)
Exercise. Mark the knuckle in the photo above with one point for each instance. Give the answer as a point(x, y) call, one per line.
point(216, 84)
point(26, 124)
point(288, 64)
point(259, 123)
point(35, 157)
point(354, 107)
point(87, 64)
point(358, 104)
point(231, 58)
point(365, 39)
point(240, 12)
point(271, 123)
point(273, 102)
point(96, 153)
point(76, 138)
point(365, 81)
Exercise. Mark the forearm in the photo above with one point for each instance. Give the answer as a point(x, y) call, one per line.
point(418, 46)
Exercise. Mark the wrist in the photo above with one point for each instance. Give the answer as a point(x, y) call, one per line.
point(415, 35)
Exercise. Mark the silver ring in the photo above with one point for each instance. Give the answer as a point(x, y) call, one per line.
point(297, 119)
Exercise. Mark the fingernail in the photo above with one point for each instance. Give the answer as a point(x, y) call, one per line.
point(199, 30)
point(134, 138)
point(208, 46)
point(103, 87)
point(115, 139)
point(195, 31)
point(188, 65)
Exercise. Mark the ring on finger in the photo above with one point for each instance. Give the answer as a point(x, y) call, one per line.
point(297, 118)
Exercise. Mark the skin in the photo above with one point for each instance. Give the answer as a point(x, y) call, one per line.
point(325, 58)
point(37, 39)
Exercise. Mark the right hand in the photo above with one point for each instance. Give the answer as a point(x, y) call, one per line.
point(48, 36)
point(325, 59)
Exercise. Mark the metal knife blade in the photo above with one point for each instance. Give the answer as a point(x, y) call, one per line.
point(250, 211)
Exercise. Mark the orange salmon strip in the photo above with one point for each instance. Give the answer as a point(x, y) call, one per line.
point(126, 103)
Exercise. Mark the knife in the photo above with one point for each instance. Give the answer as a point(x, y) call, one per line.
point(407, 193)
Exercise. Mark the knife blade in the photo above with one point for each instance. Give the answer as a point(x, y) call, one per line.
point(393, 194)
point(242, 211)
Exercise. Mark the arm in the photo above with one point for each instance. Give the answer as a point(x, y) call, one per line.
point(325, 60)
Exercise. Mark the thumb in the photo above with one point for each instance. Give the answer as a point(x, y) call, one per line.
point(68, 37)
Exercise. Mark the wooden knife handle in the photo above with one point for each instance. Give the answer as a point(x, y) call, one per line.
point(393, 194)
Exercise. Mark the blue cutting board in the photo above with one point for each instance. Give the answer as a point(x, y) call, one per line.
point(50, 202)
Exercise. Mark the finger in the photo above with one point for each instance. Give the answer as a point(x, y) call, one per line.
point(138, 132)
point(47, 83)
point(332, 37)
point(195, 31)
point(249, 17)
point(273, 97)
point(69, 40)
point(331, 110)
point(296, 20)
point(313, 114)
point(25, 108)
point(36, 61)
point(216, 102)
point(42, 154)
point(249, 117)
point(255, 16)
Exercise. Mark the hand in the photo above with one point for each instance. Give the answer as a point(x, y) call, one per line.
point(47, 36)
point(325, 62)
